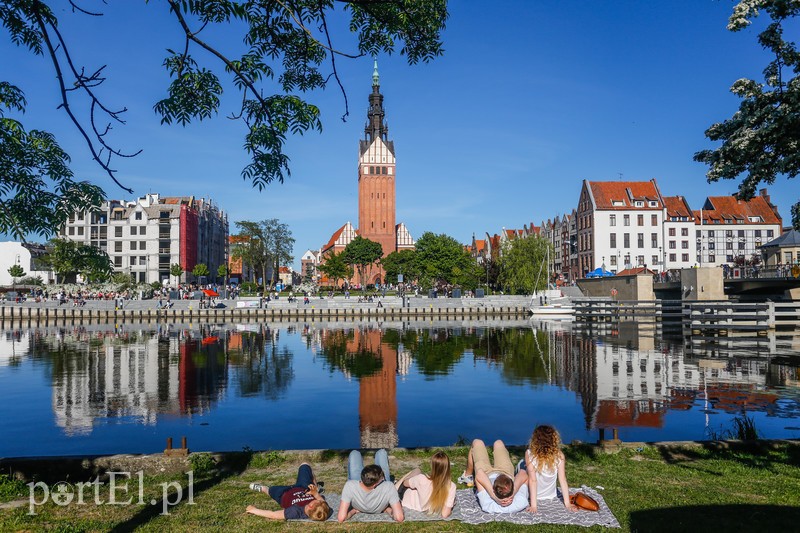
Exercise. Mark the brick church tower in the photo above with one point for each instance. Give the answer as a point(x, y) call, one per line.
point(376, 175)
point(376, 190)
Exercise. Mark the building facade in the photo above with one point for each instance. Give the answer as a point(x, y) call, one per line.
point(25, 255)
point(144, 237)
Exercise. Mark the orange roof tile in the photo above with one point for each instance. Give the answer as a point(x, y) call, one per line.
point(731, 208)
point(635, 271)
point(608, 193)
point(334, 237)
point(677, 207)
point(480, 245)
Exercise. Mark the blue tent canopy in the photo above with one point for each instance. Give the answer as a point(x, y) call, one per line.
point(599, 272)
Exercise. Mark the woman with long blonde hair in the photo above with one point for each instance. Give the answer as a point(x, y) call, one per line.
point(545, 464)
point(434, 494)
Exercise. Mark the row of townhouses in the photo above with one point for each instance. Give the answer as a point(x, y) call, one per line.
point(621, 225)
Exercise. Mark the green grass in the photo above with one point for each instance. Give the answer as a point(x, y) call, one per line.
point(743, 487)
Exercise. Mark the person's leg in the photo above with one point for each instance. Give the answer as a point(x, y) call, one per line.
point(382, 460)
point(305, 476)
point(478, 458)
point(277, 492)
point(355, 464)
point(502, 460)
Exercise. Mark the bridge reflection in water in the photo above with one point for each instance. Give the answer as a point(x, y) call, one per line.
point(106, 382)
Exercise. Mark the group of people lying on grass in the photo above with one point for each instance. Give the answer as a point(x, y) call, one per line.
point(497, 487)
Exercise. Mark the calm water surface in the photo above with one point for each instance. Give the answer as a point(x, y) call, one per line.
point(104, 389)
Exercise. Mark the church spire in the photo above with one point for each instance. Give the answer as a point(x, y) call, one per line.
point(376, 127)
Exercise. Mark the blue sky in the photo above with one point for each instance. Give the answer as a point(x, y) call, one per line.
point(530, 98)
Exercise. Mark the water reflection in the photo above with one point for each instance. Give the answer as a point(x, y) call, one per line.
point(627, 377)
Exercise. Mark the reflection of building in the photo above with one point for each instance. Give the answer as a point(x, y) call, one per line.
point(112, 376)
point(635, 385)
point(377, 397)
point(116, 380)
point(14, 344)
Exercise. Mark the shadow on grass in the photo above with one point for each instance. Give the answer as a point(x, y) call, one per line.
point(761, 455)
point(739, 517)
point(228, 465)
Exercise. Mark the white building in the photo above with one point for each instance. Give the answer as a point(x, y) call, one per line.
point(679, 234)
point(25, 255)
point(728, 229)
point(619, 225)
point(144, 237)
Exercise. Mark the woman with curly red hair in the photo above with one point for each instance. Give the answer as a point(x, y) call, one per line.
point(545, 464)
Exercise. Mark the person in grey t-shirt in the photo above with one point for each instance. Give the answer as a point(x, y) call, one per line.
point(371, 493)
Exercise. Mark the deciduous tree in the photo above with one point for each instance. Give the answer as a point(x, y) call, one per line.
point(336, 268)
point(176, 270)
point(403, 262)
point(442, 262)
point(760, 141)
point(361, 254)
point(200, 270)
point(16, 271)
point(523, 265)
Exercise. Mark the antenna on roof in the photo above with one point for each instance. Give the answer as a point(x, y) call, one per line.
point(620, 175)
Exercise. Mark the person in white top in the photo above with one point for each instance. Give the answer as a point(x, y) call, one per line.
point(544, 465)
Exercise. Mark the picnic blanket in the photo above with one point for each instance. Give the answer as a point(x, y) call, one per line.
point(468, 511)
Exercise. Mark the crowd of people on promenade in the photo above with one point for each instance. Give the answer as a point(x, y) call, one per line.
point(499, 486)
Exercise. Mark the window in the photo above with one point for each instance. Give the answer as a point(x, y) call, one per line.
point(640, 220)
point(729, 233)
point(384, 170)
point(729, 245)
point(133, 245)
point(118, 246)
point(639, 260)
point(712, 258)
point(613, 240)
point(118, 231)
point(672, 257)
point(729, 258)
point(640, 240)
point(80, 230)
point(654, 240)
point(655, 260)
point(626, 240)
point(612, 220)
point(71, 230)
point(672, 232)
point(740, 233)
point(638, 203)
point(613, 260)
point(626, 220)
point(741, 246)
point(672, 245)
point(133, 261)
point(787, 256)
point(685, 245)
point(769, 233)
point(712, 245)
point(757, 233)
point(163, 214)
point(133, 230)
point(684, 232)
point(711, 233)
point(142, 245)
point(138, 215)
point(654, 220)
point(118, 261)
point(685, 258)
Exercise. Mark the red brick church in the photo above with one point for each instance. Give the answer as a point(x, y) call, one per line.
point(377, 171)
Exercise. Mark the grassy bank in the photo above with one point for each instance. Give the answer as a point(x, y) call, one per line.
point(664, 488)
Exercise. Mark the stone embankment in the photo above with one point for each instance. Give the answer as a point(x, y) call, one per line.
point(337, 308)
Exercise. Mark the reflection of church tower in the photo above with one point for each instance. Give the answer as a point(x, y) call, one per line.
point(377, 399)
point(376, 174)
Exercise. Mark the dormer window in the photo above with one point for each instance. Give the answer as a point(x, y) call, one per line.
point(617, 203)
point(653, 204)
point(756, 219)
point(638, 203)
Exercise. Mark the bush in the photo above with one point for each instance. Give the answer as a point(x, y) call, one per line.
point(202, 463)
point(156, 285)
point(31, 280)
point(11, 488)
point(249, 286)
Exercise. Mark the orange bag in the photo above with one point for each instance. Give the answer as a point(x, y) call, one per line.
point(584, 501)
